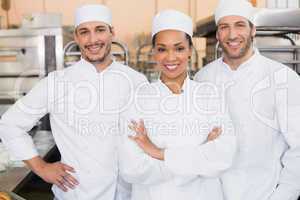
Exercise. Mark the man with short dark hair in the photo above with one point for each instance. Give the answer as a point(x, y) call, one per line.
point(262, 96)
point(84, 102)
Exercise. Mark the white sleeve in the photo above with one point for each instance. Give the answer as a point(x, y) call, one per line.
point(20, 118)
point(134, 165)
point(288, 115)
point(209, 159)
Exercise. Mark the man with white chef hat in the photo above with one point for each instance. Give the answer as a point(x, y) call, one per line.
point(262, 96)
point(84, 101)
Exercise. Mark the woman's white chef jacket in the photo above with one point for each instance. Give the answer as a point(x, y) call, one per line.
point(174, 121)
point(263, 97)
point(84, 106)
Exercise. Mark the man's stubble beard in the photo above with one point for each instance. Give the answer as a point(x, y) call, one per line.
point(107, 54)
point(243, 50)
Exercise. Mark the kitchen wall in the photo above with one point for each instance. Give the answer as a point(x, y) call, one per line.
point(131, 18)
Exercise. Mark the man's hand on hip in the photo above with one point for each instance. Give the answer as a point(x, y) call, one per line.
point(56, 173)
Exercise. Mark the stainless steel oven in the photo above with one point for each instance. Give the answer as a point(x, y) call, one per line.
point(27, 55)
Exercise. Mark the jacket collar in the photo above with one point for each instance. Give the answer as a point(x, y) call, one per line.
point(90, 67)
point(165, 88)
point(244, 65)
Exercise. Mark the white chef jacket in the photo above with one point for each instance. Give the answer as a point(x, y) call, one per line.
point(174, 121)
point(84, 106)
point(263, 97)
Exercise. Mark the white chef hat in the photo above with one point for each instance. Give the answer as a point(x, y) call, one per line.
point(241, 8)
point(172, 20)
point(93, 12)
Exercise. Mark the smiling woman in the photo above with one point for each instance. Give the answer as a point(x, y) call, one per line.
point(172, 112)
point(172, 52)
point(172, 46)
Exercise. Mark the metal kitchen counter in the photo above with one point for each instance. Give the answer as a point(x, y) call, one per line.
point(13, 178)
